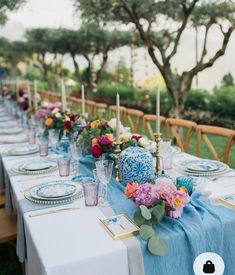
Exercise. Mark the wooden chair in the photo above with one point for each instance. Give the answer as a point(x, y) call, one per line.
point(202, 133)
point(75, 104)
point(112, 112)
point(176, 127)
point(2, 198)
point(8, 228)
point(100, 110)
point(134, 118)
point(148, 120)
point(90, 107)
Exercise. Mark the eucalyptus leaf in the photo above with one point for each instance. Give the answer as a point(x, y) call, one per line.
point(146, 213)
point(146, 232)
point(138, 218)
point(157, 246)
point(158, 212)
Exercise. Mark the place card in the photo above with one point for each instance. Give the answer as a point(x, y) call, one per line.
point(228, 201)
point(120, 226)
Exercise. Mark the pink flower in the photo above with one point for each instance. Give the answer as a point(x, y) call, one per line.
point(96, 151)
point(177, 213)
point(57, 104)
point(165, 188)
point(104, 140)
point(146, 195)
point(178, 201)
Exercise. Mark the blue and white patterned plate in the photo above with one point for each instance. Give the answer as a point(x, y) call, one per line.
point(56, 190)
point(31, 195)
point(203, 165)
point(205, 168)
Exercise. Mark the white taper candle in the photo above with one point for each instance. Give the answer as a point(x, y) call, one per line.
point(35, 94)
point(158, 110)
point(29, 95)
point(63, 96)
point(117, 118)
point(83, 100)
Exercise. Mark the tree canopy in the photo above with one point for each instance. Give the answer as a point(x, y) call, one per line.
point(161, 24)
point(8, 5)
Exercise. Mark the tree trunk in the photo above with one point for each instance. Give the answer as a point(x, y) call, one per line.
point(179, 90)
point(76, 67)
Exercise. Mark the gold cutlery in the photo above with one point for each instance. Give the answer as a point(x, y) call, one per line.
point(52, 211)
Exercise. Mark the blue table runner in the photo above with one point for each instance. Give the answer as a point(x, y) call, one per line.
point(203, 227)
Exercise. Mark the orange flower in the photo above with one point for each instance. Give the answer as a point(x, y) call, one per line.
point(130, 189)
point(110, 137)
point(49, 121)
point(94, 141)
point(95, 123)
point(177, 201)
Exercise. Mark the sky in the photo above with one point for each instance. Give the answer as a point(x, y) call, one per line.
point(60, 13)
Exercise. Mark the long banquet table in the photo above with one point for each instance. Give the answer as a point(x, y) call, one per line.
point(74, 242)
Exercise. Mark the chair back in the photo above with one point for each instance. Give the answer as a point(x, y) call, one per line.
point(100, 110)
point(176, 127)
point(8, 227)
point(112, 112)
point(203, 133)
point(148, 121)
point(134, 118)
point(90, 107)
point(75, 104)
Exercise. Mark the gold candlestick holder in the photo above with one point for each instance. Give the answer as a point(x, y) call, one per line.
point(158, 161)
point(117, 152)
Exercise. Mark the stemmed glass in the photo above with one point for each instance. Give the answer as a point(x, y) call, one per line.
point(76, 151)
point(165, 152)
point(53, 137)
point(104, 172)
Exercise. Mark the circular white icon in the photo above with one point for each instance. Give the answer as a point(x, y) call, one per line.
point(208, 263)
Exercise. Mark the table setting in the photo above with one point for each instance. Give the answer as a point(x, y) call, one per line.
point(63, 196)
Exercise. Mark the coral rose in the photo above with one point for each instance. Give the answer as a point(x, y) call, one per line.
point(96, 151)
point(130, 189)
point(94, 141)
point(110, 137)
point(49, 121)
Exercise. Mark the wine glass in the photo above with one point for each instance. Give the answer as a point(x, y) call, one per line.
point(53, 137)
point(166, 153)
point(76, 151)
point(104, 172)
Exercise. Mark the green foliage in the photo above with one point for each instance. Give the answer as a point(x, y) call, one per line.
point(157, 246)
point(6, 6)
point(145, 212)
point(227, 80)
point(146, 217)
point(146, 232)
point(197, 100)
point(158, 212)
point(222, 103)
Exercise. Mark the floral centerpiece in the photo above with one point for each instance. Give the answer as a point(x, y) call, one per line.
point(64, 122)
point(46, 108)
point(154, 201)
point(129, 139)
point(97, 138)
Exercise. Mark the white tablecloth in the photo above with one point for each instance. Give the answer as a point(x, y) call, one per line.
point(71, 242)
